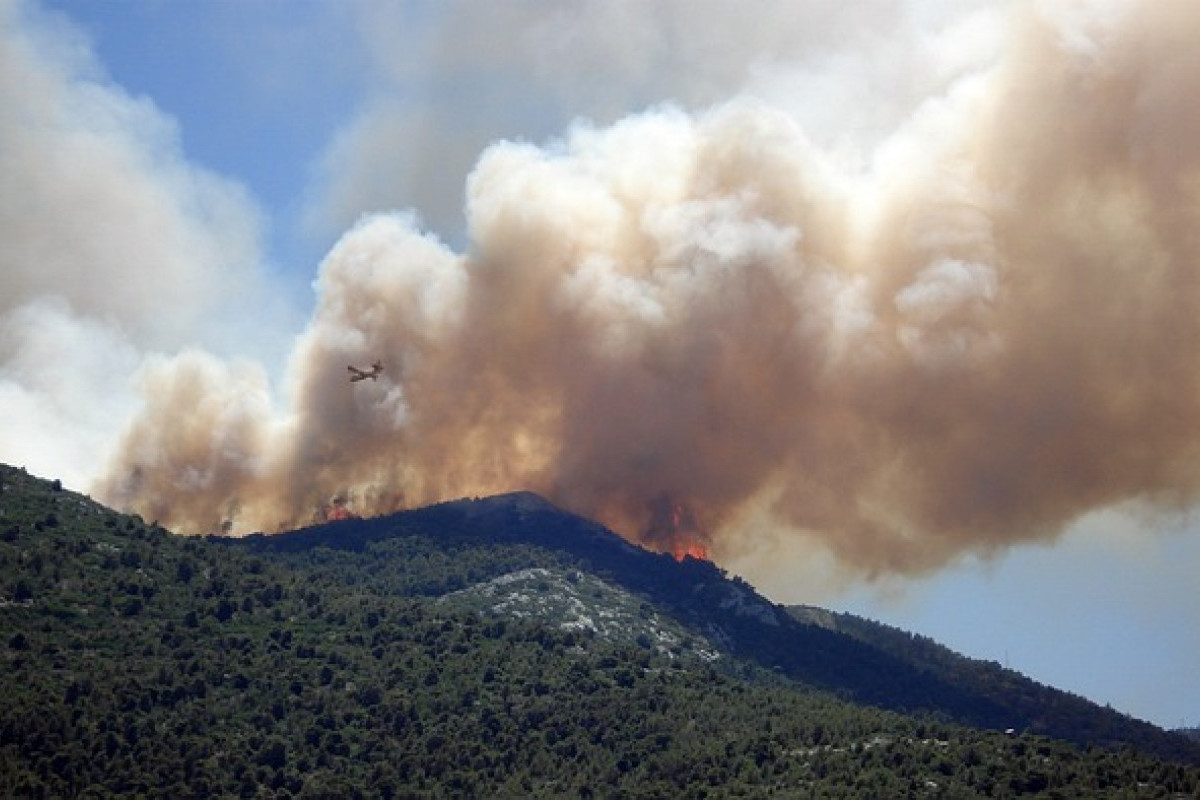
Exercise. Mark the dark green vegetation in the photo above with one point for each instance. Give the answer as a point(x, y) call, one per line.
point(863, 662)
point(1037, 707)
point(416, 656)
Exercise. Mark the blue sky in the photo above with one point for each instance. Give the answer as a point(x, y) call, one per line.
point(257, 90)
point(266, 130)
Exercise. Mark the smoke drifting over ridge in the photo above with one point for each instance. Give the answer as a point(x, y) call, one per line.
point(989, 332)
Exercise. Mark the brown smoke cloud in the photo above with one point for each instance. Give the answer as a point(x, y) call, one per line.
point(988, 333)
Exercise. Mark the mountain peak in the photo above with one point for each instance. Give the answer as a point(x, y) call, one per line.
point(520, 500)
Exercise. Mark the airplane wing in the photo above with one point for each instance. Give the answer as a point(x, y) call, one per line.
point(357, 374)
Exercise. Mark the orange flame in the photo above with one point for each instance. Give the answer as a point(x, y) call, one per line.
point(338, 510)
point(684, 549)
point(674, 529)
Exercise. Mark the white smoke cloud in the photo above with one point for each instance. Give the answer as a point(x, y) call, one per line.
point(64, 389)
point(100, 206)
point(111, 245)
point(850, 73)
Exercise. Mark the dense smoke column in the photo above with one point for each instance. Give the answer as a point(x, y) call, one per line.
point(985, 334)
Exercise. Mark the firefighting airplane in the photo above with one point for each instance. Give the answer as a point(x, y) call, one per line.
point(357, 374)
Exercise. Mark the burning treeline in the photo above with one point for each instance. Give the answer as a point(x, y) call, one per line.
point(988, 331)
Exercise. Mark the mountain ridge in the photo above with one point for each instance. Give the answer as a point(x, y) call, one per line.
point(860, 666)
point(383, 657)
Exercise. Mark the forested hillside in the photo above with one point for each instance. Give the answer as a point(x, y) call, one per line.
point(1043, 707)
point(722, 611)
point(139, 663)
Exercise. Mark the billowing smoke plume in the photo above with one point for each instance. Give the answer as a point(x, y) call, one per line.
point(986, 332)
